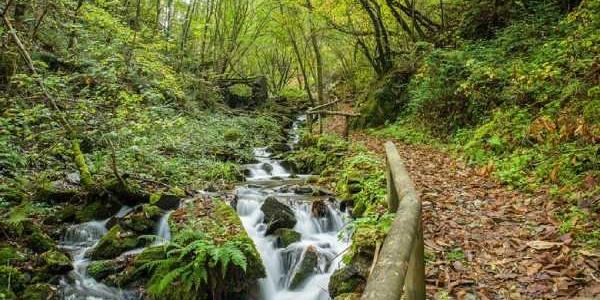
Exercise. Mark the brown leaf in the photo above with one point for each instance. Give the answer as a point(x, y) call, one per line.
point(543, 245)
point(533, 269)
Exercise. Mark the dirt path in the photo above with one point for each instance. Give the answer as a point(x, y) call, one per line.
point(485, 241)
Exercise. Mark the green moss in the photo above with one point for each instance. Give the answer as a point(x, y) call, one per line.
point(115, 242)
point(10, 255)
point(240, 90)
point(84, 172)
point(40, 291)
point(11, 279)
point(287, 236)
point(348, 296)
point(102, 269)
point(306, 267)
point(56, 262)
point(40, 242)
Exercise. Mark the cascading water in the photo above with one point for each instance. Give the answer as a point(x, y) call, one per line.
point(80, 238)
point(319, 234)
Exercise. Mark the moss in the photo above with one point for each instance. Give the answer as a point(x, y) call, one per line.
point(56, 262)
point(346, 280)
point(348, 296)
point(38, 241)
point(10, 255)
point(40, 291)
point(115, 242)
point(102, 269)
point(11, 278)
point(240, 90)
point(306, 267)
point(97, 210)
point(6, 294)
point(287, 237)
point(84, 172)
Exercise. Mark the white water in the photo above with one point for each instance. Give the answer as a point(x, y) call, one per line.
point(280, 263)
point(80, 238)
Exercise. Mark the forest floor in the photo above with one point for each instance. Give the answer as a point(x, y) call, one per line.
point(486, 241)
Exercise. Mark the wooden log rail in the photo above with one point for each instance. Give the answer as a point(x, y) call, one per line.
point(400, 268)
point(321, 113)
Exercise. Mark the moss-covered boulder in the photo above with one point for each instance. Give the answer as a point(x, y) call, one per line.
point(55, 262)
point(6, 294)
point(97, 210)
point(11, 255)
point(286, 237)
point(13, 278)
point(346, 280)
point(166, 201)
point(115, 242)
point(39, 241)
point(143, 219)
point(305, 268)
point(277, 215)
point(99, 270)
point(41, 291)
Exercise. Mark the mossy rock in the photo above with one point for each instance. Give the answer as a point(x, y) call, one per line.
point(348, 296)
point(10, 255)
point(11, 276)
point(68, 213)
point(102, 269)
point(286, 237)
point(306, 267)
point(346, 280)
point(277, 215)
point(6, 294)
point(56, 262)
point(40, 291)
point(115, 242)
point(168, 201)
point(39, 242)
point(142, 219)
point(97, 210)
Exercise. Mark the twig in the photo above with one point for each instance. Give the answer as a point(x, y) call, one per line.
point(6, 7)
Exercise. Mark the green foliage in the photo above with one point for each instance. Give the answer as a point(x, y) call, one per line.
point(240, 90)
point(317, 154)
point(362, 180)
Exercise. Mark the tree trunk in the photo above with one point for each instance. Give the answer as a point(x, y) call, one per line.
point(318, 57)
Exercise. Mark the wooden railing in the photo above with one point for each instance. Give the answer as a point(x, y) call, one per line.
point(400, 267)
point(319, 113)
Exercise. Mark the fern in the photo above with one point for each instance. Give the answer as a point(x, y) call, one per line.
point(190, 257)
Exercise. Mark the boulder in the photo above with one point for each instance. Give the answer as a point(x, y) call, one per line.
point(11, 276)
point(277, 215)
point(39, 242)
point(267, 167)
point(165, 201)
point(346, 280)
point(142, 219)
point(306, 267)
point(286, 237)
point(302, 190)
point(55, 262)
point(99, 270)
point(41, 291)
point(318, 209)
point(115, 242)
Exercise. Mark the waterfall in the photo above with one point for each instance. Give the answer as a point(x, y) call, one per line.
point(281, 264)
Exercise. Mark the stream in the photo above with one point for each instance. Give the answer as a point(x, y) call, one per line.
point(267, 178)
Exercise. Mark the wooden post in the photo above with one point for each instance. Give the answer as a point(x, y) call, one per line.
point(392, 196)
point(347, 128)
point(415, 277)
point(320, 124)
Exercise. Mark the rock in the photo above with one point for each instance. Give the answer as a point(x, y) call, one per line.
point(354, 188)
point(6, 294)
point(55, 262)
point(10, 255)
point(115, 242)
point(279, 148)
point(103, 268)
point(306, 267)
point(39, 242)
point(165, 201)
point(40, 291)
point(322, 192)
point(97, 210)
point(267, 167)
point(286, 237)
point(73, 177)
point(11, 276)
point(59, 191)
point(348, 296)
point(277, 215)
point(143, 219)
point(302, 190)
point(67, 214)
point(346, 280)
point(318, 209)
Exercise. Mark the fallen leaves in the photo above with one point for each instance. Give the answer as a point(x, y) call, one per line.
point(513, 248)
